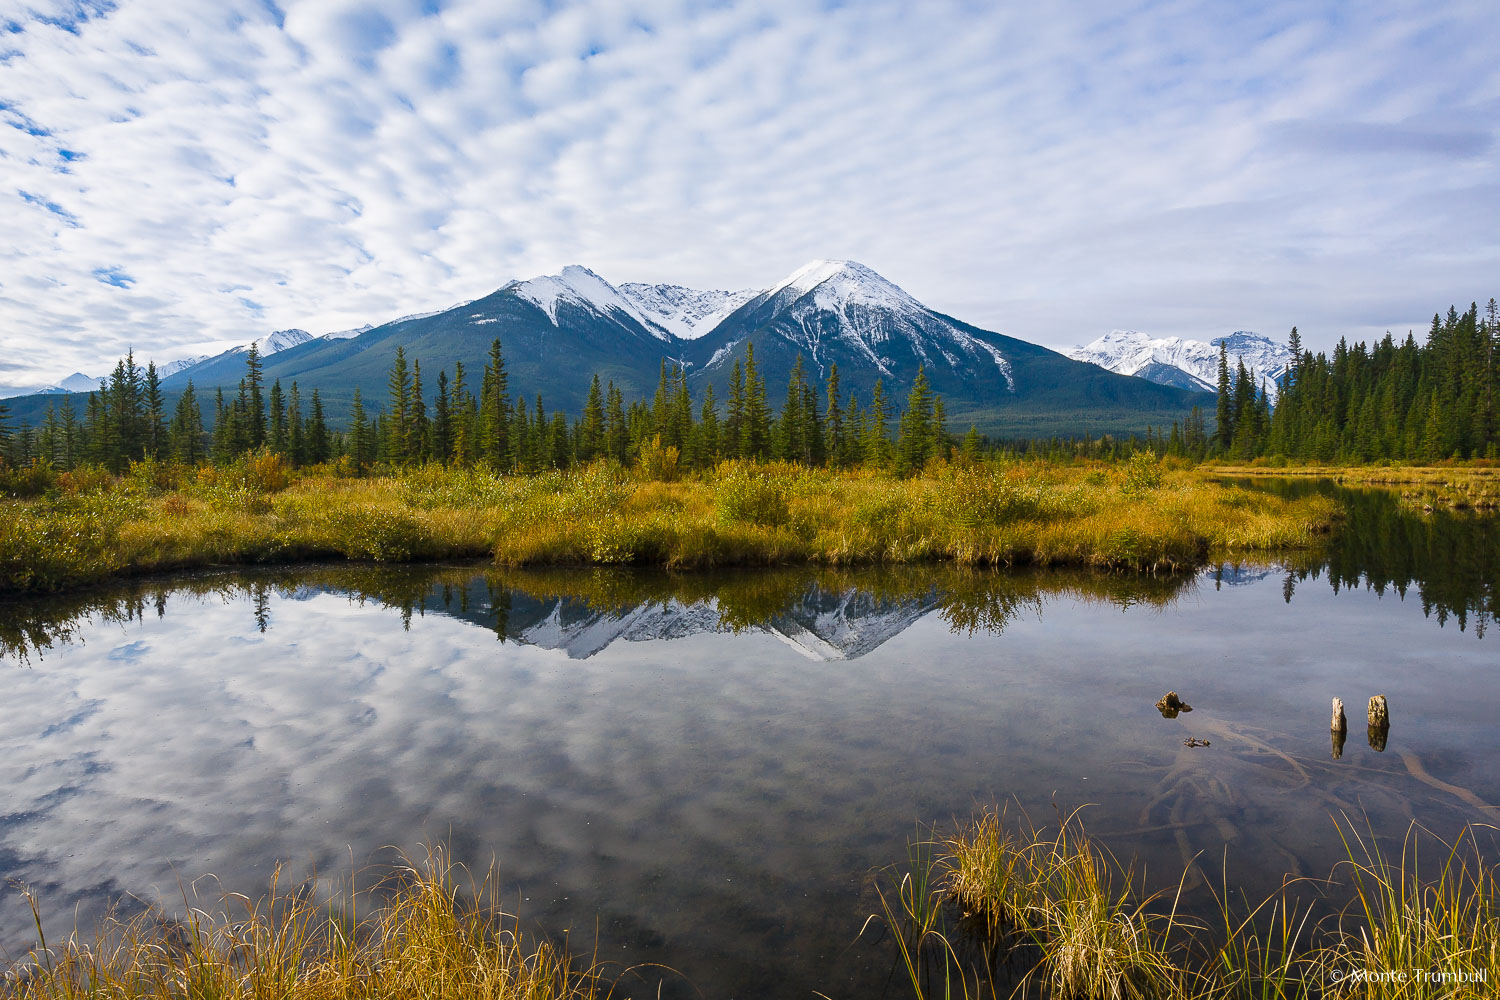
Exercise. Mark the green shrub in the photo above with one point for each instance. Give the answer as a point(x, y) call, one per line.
point(28, 480)
point(971, 498)
point(753, 496)
point(1142, 474)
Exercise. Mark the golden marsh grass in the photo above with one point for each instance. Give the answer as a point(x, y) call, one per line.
point(1135, 516)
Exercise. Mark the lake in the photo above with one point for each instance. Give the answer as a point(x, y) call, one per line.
point(703, 771)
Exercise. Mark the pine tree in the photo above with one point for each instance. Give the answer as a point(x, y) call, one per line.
point(970, 451)
point(734, 420)
point(616, 432)
point(792, 424)
point(360, 452)
point(1224, 433)
point(494, 414)
point(398, 409)
point(465, 412)
point(837, 447)
point(706, 440)
point(914, 444)
point(296, 431)
point(319, 446)
point(156, 429)
point(755, 432)
point(940, 441)
point(417, 429)
point(560, 456)
point(591, 431)
point(276, 438)
point(442, 422)
point(877, 444)
point(185, 436)
point(255, 417)
point(71, 446)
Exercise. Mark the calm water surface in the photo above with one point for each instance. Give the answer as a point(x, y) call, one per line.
point(703, 771)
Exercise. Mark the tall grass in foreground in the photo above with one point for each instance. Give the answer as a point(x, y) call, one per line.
point(1059, 917)
point(432, 937)
point(1136, 516)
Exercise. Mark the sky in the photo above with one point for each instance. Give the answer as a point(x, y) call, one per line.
point(180, 176)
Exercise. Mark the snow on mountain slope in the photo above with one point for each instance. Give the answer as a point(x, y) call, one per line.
point(687, 313)
point(280, 340)
point(173, 367)
point(579, 287)
point(1129, 352)
point(347, 334)
point(848, 302)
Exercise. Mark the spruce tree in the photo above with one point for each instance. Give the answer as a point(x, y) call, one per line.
point(255, 417)
point(276, 438)
point(591, 431)
point(398, 409)
point(494, 414)
point(1224, 432)
point(914, 444)
point(755, 433)
point(834, 421)
point(156, 428)
point(359, 450)
point(185, 436)
point(442, 422)
point(877, 444)
point(706, 450)
point(319, 445)
point(616, 432)
point(734, 420)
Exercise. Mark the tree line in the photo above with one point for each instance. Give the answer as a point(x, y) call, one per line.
point(1396, 400)
point(458, 421)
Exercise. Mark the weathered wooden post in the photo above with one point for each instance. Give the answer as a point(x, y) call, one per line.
point(1339, 727)
point(1379, 715)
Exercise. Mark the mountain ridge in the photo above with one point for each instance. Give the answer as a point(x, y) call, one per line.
point(1183, 362)
point(558, 331)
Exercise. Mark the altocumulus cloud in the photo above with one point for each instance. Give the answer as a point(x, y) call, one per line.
point(180, 175)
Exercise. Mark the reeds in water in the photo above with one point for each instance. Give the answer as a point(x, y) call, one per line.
point(1061, 917)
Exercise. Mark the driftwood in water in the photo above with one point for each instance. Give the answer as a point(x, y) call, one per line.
point(1379, 716)
point(1339, 735)
point(1339, 723)
point(1170, 705)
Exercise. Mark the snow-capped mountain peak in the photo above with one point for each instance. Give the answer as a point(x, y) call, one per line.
point(829, 308)
point(688, 313)
point(173, 367)
point(581, 288)
point(837, 283)
point(1187, 364)
point(280, 340)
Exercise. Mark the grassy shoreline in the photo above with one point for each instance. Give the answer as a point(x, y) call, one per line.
point(1137, 516)
point(1044, 913)
point(1060, 916)
point(1423, 487)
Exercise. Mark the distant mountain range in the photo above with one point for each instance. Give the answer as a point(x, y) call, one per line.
point(557, 331)
point(1187, 364)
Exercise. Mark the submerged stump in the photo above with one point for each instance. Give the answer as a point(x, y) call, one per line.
point(1339, 723)
point(1170, 705)
point(1379, 714)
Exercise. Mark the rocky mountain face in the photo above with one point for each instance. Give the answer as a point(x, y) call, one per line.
point(1186, 364)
